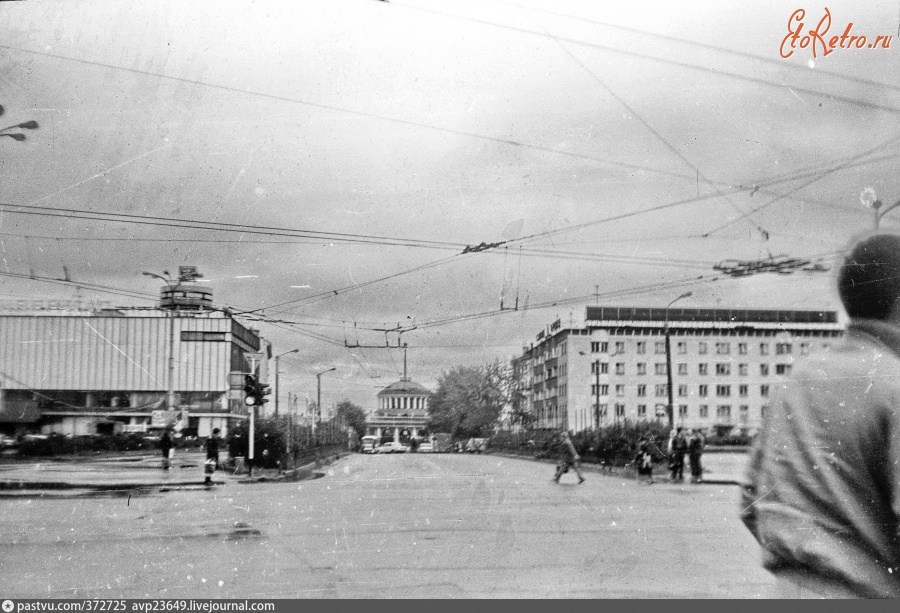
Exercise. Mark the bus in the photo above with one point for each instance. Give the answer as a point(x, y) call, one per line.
point(369, 444)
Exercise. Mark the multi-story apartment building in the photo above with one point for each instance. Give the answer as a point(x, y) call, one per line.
point(725, 365)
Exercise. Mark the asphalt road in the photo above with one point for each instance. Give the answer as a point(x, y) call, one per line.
point(395, 526)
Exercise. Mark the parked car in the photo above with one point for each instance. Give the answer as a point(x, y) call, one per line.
point(392, 447)
point(476, 445)
point(426, 448)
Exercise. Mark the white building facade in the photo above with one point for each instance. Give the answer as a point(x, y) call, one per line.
point(725, 365)
point(402, 411)
point(111, 371)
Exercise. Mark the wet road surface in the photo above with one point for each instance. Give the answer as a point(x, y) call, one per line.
point(394, 526)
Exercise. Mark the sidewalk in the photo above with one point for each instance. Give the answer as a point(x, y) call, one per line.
point(721, 466)
point(111, 473)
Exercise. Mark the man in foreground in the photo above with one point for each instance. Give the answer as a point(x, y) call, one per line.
point(569, 459)
point(823, 491)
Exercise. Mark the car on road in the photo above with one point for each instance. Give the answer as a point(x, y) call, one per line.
point(476, 445)
point(426, 448)
point(7, 441)
point(392, 447)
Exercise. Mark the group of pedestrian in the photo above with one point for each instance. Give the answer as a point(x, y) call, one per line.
point(210, 465)
point(683, 444)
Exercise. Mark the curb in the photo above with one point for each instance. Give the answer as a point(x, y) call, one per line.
point(301, 473)
point(616, 471)
point(102, 487)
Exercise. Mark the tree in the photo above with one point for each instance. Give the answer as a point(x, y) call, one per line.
point(469, 399)
point(519, 412)
point(353, 416)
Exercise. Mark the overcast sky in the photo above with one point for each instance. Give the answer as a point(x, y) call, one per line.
point(615, 146)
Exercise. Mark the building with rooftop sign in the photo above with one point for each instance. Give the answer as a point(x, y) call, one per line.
point(88, 371)
point(725, 365)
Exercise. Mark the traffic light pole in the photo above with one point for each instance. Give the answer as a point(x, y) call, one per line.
point(170, 393)
point(250, 444)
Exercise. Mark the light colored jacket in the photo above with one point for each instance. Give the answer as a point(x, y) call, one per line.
point(823, 487)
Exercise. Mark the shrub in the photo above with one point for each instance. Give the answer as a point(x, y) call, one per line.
point(270, 440)
point(615, 444)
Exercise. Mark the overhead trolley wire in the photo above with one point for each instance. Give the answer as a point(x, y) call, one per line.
point(649, 127)
point(780, 63)
point(218, 226)
point(662, 60)
point(369, 115)
point(854, 160)
point(91, 286)
point(576, 299)
point(851, 162)
point(818, 177)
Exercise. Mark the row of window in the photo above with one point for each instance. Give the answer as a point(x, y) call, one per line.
point(722, 410)
point(722, 368)
point(662, 390)
point(681, 347)
point(723, 413)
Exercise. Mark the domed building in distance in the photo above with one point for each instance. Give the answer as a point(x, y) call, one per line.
point(402, 412)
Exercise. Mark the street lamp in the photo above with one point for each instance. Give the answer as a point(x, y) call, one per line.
point(170, 394)
point(868, 199)
point(670, 406)
point(25, 125)
point(318, 420)
point(278, 387)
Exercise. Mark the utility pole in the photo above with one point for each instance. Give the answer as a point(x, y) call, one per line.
point(278, 387)
point(597, 392)
point(319, 394)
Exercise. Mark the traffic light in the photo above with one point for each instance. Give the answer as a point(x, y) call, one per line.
point(262, 390)
point(251, 391)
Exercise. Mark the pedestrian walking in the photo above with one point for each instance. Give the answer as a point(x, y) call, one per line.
point(569, 459)
point(822, 494)
point(211, 465)
point(678, 447)
point(696, 443)
point(167, 447)
point(644, 461)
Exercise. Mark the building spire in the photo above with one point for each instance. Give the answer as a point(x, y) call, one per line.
point(405, 378)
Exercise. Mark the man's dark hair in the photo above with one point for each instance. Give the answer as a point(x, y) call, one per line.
point(869, 280)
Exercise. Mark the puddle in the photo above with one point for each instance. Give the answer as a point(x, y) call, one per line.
point(240, 530)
